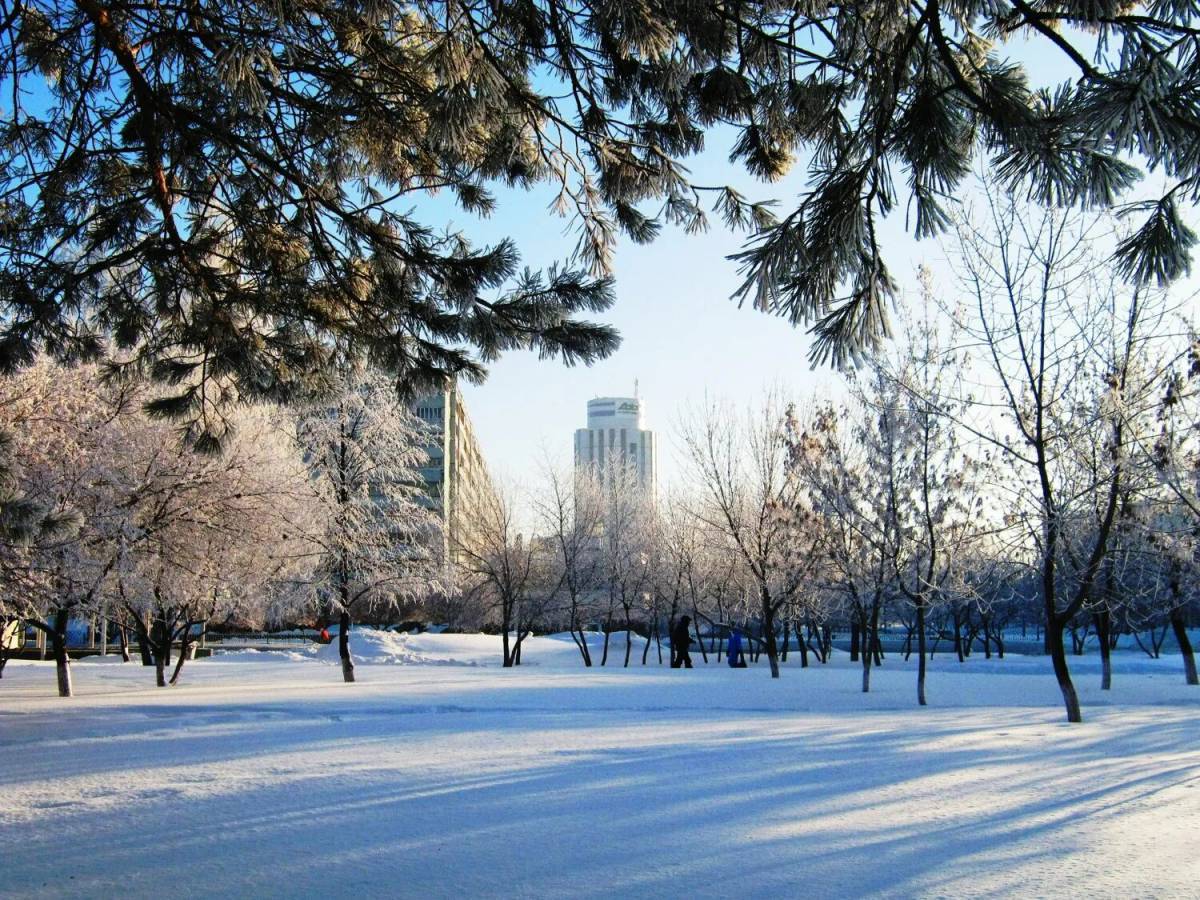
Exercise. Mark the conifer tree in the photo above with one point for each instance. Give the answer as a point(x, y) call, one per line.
point(227, 186)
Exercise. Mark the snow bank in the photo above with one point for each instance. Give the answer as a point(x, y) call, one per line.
point(371, 647)
point(249, 654)
point(388, 648)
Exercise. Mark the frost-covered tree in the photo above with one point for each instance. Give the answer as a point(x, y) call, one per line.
point(627, 535)
point(164, 535)
point(680, 574)
point(227, 187)
point(509, 569)
point(60, 422)
point(204, 537)
point(1167, 514)
point(739, 465)
point(1043, 305)
point(832, 463)
point(377, 534)
point(933, 505)
point(569, 510)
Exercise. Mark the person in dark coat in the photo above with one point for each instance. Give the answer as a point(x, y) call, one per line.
point(680, 641)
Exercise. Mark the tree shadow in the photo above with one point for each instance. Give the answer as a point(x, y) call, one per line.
point(378, 797)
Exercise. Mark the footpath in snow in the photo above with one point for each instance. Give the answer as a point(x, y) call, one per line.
point(440, 774)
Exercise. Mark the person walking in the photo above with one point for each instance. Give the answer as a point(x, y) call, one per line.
point(736, 657)
point(680, 642)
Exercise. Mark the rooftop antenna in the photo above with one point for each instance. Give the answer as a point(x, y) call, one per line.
point(635, 389)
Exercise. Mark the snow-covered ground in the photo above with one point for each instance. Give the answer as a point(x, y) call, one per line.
point(440, 774)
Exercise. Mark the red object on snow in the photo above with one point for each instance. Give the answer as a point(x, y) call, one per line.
point(325, 635)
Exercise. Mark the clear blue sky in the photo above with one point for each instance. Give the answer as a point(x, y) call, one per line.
point(683, 336)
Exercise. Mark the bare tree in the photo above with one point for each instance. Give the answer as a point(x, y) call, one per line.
point(1037, 292)
point(569, 509)
point(626, 547)
point(933, 505)
point(748, 498)
point(849, 508)
point(1171, 445)
point(502, 566)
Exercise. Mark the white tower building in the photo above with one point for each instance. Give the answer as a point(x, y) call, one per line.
point(614, 434)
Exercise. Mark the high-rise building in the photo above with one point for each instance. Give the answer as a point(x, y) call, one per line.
point(615, 437)
point(456, 475)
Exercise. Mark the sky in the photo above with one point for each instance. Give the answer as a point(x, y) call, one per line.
point(684, 339)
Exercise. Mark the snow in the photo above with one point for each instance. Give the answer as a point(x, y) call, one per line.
point(388, 648)
point(262, 774)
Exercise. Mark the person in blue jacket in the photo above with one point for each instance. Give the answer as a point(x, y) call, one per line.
point(737, 658)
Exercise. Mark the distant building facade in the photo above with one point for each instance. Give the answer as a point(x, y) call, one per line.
point(456, 475)
point(615, 437)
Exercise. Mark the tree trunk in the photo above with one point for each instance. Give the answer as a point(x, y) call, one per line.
point(62, 662)
point(786, 640)
point(921, 652)
point(1058, 655)
point(870, 642)
point(163, 635)
point(772, 651)
point(958, 643)
point(575, 639)
point(160, 647)
point(587, 651)
point(607, 636)
point(143, 639)
point(185, 647)
point(581, 639)
point(4, 624)
point(1185, 645)
point(1103, 624)
point(768, 614)
point(344, 647)
point(1078, 640)
point(628, 638)
point(854, 638)
point(123, 637)
point(506, 609)
point(866, 673)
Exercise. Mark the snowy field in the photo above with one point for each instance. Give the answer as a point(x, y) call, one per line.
point(441, 775)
